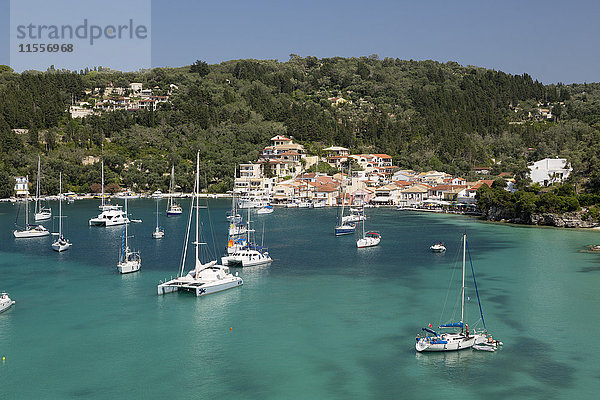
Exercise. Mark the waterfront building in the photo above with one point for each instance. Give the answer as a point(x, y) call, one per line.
point(21, 186)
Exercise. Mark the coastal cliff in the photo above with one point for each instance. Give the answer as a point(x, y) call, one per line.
point(576, 219)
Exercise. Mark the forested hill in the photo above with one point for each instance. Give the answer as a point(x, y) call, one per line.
point(427, 115)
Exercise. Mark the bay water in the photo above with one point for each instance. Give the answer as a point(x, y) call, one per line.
point(324, 321)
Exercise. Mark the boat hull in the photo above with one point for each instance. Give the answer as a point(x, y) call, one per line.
point(367, 242)
point(244, 262)
point(204, 289)
point(6, 305)
point(450, 342)
point(61, 246)
point(129, 267)
point(107, 222)
point(43, 216)
point(30, 233)
point(347, 230)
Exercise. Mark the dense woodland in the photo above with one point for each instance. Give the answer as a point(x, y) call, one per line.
point(427, 115)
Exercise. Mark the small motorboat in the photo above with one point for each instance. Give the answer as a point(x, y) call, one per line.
point(5, 302)
point(438, 248)
point(268, 209)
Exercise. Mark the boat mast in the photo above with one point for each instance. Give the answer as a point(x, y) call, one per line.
point(248, 229)
point(27, 205)
point(37, 186)
point(341, 221)
point(233, 194)
point(60, 207)
point(103, 183)
point(170, 201)
point(197, 189)
point(462, 304)
point(126, 232)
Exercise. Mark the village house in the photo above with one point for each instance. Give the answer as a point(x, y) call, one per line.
point(251, 182)
point(388, 194)
point(283, 192)
point(413, 196)
point(325, 191)
point(288, 153)
point(336, 151)
point(21, 186)
point(549, 170)
point(404, 175)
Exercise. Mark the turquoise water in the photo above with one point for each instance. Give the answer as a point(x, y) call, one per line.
point(325, 320)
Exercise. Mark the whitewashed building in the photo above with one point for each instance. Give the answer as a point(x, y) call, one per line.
point(21, 186)
point(549, 171)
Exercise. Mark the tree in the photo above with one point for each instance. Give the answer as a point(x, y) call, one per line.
point(6, 184)
point(5, 68)
point(200, 67)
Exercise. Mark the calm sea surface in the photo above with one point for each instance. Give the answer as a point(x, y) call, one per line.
point(324, 321)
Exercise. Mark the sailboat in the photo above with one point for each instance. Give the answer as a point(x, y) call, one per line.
point(129, 260)
point(172, 207)
point(460, 338)
point(206, 278)
point(159, 232)
point(342, 227)
point(111, 215)
point(60, 244)
point(30, 231)
point(248, 254)
point(369, 238)
point(41, 213)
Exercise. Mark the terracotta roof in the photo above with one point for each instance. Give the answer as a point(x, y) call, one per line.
point(403, 183)
point(289, 153)
point(382, 155)
point(280, 137)
point(328, 187)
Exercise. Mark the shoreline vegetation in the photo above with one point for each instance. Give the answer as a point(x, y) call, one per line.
point(426, 115)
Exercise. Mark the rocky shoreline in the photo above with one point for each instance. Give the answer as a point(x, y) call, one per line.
point(566, 220)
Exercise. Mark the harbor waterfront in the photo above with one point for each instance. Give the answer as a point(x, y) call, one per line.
point(324, 320)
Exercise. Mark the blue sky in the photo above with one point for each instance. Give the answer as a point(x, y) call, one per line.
point(552, 41)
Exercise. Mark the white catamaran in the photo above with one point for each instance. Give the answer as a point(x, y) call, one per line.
point(206, 278)
point(111, 215)
point(460, 338)
point(60, 244)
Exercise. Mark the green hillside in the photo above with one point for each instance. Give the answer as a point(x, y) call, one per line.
point(427, 115)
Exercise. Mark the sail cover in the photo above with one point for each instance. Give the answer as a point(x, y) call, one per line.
point(430, 331)
point(452, 325)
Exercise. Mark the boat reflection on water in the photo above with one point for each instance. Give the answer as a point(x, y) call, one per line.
point(453, 362)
